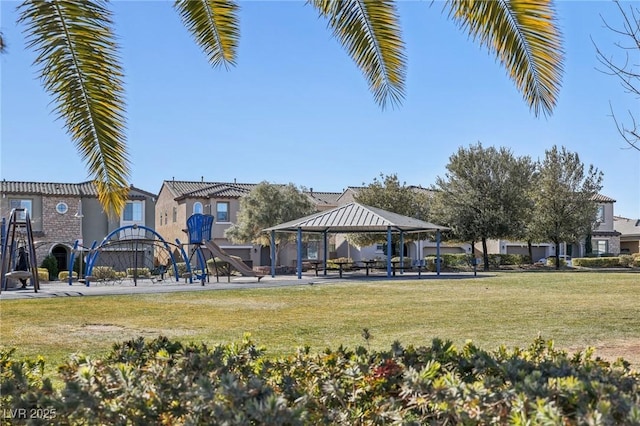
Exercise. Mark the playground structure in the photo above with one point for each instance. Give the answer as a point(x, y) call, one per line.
point(17, 238)
point(199, 227)
point(129, 253)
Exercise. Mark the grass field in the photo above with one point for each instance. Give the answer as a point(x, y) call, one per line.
point(576, 310)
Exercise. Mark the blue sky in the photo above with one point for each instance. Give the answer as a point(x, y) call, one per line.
point(296, 109)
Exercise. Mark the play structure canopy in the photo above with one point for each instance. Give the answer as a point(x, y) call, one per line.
point(352, 218)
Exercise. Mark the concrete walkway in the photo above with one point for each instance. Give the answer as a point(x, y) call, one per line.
point(147, 286)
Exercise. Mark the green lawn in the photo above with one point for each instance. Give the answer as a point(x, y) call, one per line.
point(576, 310)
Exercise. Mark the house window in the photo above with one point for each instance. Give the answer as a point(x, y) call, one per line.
point(22, 204)
point(310, 250)
point(600, 215)
point(166, 218)
point(222, 212)
point(197, 207)
point(380, 248)
point(175, 214)
point(601, 247)
point(62, 208)
point(132, 211)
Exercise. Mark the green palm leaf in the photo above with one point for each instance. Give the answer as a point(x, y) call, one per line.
point(78, 64)
point(524, 37)
point(370, 32)
point(214, 25)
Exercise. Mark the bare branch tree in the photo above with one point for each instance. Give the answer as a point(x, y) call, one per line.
point(627, 71)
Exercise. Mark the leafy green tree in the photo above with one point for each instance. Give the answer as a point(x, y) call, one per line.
point(389, 194)
point(484, 194)
point(79, 66)
point(563, 199)
point(265, 206)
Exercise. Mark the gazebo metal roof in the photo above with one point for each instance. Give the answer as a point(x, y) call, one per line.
point(355, 217)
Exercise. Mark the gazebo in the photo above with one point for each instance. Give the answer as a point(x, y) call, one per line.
point(352, 218)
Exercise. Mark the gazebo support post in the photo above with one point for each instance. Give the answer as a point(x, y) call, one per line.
point(299, 244)
point(438, 252)
point(273, 254)
point(389, 252)
point(401, 252)
point(325, 253)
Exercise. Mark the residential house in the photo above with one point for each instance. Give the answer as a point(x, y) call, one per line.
point(178, 200)
point(629, 230)
point(63, 213)
point(604, 238)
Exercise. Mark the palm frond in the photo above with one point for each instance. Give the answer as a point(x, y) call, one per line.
point(524, 36)
point(3, 46)
point(214, 24)
point(370, 32)
point(79, 67)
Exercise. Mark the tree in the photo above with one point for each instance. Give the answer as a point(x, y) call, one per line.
point(627, 70)
point(78, 60)
point(389, 194)
point(484, 194)
point(563, 199)
point(265, 206)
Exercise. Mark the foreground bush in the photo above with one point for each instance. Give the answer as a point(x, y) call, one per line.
point(165, 382)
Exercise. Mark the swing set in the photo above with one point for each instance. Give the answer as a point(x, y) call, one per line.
point(17, 241)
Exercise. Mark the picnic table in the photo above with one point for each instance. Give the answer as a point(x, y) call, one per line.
point(316, 264)
point(369, 264)
point(341, 264)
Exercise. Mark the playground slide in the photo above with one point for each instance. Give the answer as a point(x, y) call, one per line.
point(238, 264)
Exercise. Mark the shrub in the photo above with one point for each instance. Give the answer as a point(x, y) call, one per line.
point(182, 269)
point(597, 262)
point(551, 261)
point(43, 274)
point(626, 260)
point(106, 273)
point(138, 272)
point(430, 263)
point(219, 266)
point(64, 275)
point(50, 263)
point(457, 260)
point(406, 261)
point(449, 261)
point(333, 263)
point(167, 382)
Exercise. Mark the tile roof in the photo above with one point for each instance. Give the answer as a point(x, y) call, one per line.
point(599, 198)
point(324, 198)
point(46, 188)
point(83, 189)
point(183, 189)
point(186, 189)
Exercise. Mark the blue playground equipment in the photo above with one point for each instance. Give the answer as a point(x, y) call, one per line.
point(133, 246)
point(199, 227)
